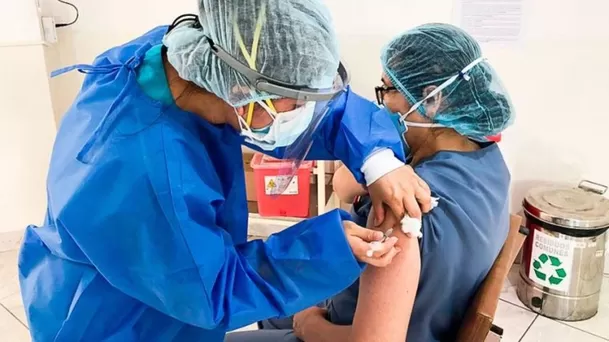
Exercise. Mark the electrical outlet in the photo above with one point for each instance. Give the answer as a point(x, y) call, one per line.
point(49, 30)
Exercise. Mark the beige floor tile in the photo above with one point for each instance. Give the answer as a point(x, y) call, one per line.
point(11, 329)
point(508, 293)
point(599, 324)
point(14, 304)
point(514, 321)
point(9, 283)
point(10, 241)
point(547, 330)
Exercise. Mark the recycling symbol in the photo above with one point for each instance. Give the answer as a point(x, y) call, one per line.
point(559, 273)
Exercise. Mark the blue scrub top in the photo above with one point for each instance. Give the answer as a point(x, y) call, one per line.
point(145, 234)
point(461, 239)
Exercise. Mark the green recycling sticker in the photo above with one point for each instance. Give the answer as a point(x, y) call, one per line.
point(551, 261)
point(559, 273)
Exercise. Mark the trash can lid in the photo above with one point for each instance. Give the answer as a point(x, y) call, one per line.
point(581, 207)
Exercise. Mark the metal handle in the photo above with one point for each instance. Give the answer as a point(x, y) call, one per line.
point(597, 188)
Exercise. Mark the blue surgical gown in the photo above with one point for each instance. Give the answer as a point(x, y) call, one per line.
point(144, 238)
point(461, 239)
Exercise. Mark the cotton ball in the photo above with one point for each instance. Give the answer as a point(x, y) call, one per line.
point(434, 202)
point(374, 246)
point(411, 226)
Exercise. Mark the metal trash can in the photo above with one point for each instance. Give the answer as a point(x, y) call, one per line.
point(563, 256)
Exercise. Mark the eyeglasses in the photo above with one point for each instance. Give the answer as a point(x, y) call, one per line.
point(381, 91)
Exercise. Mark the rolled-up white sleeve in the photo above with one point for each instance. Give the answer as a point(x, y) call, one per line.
point(380, 163)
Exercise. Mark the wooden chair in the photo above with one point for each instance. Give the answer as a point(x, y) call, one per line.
point(478, 325)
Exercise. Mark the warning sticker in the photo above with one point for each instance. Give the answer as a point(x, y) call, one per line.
point(272, 185)
point(551, 261)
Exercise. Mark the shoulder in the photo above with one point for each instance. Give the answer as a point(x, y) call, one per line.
point(121, 54)
point(349, 101)
point(473, 192)
point(447, 170)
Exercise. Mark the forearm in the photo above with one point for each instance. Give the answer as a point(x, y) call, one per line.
point(321, 330)
point(297, 266)
point(387, 296)
point(345, 186)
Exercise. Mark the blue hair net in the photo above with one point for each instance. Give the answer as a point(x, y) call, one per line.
point(473, 101)
point(289, 40)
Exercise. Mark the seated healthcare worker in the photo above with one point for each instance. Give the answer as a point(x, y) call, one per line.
point(145, 234)
point(444, 97)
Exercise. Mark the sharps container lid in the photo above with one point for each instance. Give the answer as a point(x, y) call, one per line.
point(581, 208)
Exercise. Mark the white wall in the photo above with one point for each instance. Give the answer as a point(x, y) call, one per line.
point(556, 75)
point(19, 22)
point(102, 24)
point(27, 127)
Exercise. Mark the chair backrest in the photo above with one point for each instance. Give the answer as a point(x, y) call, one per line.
point(479, 317)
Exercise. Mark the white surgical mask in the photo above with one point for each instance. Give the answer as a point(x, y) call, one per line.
point(402, 118)
point(283, 131)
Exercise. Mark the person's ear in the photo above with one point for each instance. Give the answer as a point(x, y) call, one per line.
point(432, 104)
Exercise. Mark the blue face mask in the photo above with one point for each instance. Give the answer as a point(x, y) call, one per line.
point(399, 124)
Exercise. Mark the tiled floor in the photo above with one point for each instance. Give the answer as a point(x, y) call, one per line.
point(519, 324)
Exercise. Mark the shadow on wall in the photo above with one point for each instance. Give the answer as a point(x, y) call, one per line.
point(557, 166)
point(362, 57)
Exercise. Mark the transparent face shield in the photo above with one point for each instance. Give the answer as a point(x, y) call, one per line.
point(311, 104)
point(296, 110)
point(278, 88)
point(463, 74)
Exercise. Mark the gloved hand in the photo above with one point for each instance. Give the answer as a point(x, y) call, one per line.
point(403, 192)
point(362, 240)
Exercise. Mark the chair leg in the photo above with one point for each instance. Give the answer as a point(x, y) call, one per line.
point(495, 334)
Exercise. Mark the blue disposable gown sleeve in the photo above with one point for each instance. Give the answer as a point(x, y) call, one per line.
point(167, 248)
point(352, 130)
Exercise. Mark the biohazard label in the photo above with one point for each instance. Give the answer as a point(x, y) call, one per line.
point(273, 185)
point(551, 261)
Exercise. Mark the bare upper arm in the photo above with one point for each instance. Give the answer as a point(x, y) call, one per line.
point(386, 295)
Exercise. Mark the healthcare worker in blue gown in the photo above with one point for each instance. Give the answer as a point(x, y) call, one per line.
point(144, 238)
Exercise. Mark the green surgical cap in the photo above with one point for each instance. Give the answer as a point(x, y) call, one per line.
point(475, 103)
point(295, 44)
